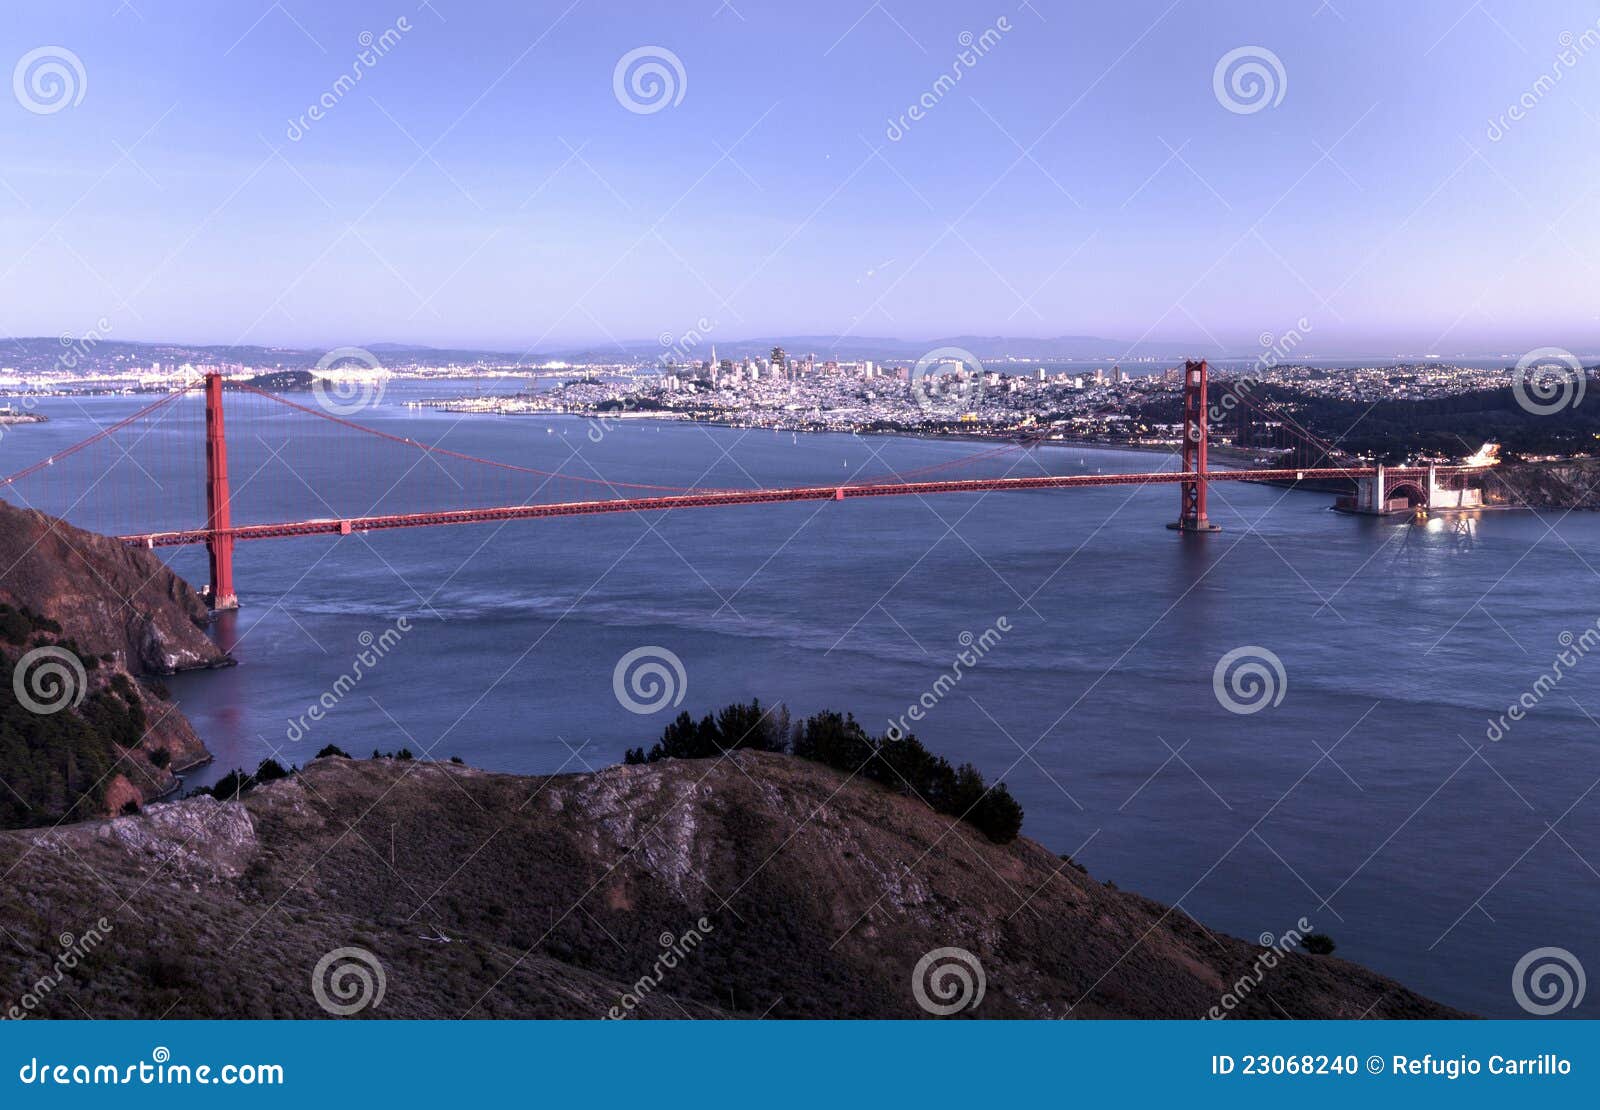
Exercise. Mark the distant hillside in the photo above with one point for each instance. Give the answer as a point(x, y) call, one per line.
point(283, 381)
point(1461, 423)
point(758, 885)
point(37, 355)
point(109, 357)
point(1452, 426)
point(1079, 347)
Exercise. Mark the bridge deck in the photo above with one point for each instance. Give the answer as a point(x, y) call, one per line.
point(713, 498)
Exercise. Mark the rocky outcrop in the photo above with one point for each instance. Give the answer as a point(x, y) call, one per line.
point(756, 885)
point(80, 616)
point(1572, 484)
point(109, 598)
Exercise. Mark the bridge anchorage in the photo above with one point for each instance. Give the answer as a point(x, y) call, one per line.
point(1388, 492)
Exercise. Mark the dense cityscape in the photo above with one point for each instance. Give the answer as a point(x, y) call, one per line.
point(953, 392)
point(948, 391)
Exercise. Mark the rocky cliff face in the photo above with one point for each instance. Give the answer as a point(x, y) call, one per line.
point(109, 598)
point(80, 615)
point(757, 885)
point(1574, 484)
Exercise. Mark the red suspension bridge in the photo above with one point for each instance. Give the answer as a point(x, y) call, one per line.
point(154, 479)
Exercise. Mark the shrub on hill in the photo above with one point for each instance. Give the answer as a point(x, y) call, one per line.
point(899, 762)
point(239, 782)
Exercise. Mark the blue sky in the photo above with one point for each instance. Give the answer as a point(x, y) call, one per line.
point(484, 185)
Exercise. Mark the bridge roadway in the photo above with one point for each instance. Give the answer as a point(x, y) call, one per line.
point(334, 526)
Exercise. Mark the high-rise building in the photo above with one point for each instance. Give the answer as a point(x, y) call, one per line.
point(780, 363)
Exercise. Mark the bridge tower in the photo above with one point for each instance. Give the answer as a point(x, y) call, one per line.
point(219, 514)
point(1192, 500)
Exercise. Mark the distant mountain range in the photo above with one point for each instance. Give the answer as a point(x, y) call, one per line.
point(883, 348)
point(45, 353)
point(35, 355)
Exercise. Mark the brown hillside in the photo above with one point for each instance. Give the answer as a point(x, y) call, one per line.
point(108, 597)
point(491, 895)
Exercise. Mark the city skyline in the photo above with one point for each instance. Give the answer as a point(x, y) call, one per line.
point(508, 179)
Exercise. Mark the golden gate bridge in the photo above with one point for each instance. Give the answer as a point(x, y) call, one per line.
point(116, 473)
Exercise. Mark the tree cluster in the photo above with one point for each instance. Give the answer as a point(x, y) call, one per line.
point(238, 782)
point(898, 762)
point(57, 764)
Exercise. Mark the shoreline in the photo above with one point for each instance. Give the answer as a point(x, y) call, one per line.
point(175, 791)
point(666, 419)
point(1230, 455)
point(1230, 458)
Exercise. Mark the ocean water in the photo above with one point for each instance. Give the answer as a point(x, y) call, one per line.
point(1363, 793)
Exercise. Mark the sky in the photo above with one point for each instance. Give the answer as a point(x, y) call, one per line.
point(494, 179)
